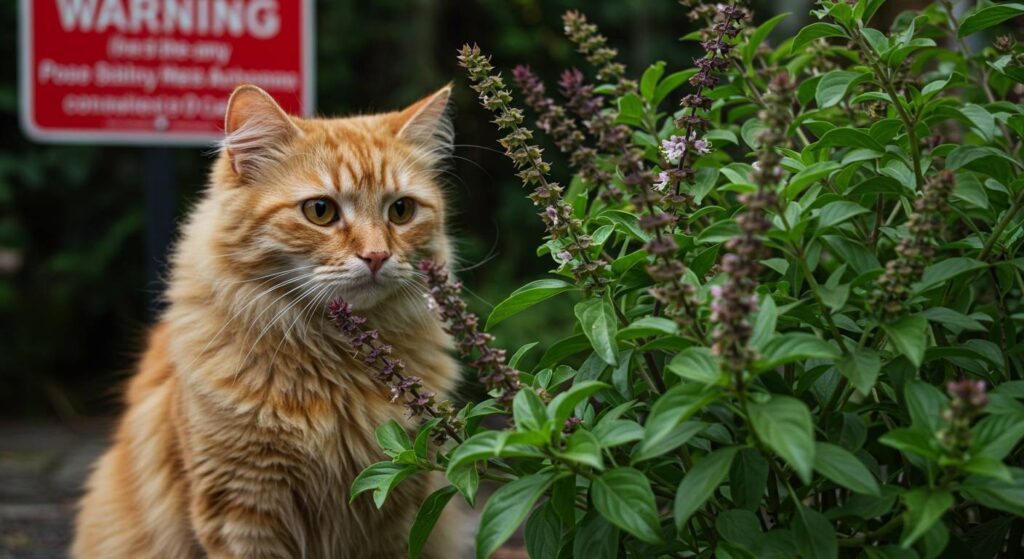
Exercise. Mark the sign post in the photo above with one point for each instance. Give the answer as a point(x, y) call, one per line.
point(157, 73)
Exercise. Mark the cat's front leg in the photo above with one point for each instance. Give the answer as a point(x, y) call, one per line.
point(235, 518)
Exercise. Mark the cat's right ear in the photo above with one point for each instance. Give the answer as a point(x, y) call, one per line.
point(256, 130)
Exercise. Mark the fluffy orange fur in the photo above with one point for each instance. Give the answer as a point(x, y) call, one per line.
point(249, 416)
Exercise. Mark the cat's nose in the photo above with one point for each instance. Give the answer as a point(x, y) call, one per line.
point(375, 259)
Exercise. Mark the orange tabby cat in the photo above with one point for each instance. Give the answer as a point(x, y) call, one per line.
point(248, 418)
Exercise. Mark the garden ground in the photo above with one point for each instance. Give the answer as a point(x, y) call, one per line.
point(42, 468)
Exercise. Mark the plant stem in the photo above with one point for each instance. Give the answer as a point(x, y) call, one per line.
point(815, 287)
point(1003, 222)
point(859, 541)
point(886, 81)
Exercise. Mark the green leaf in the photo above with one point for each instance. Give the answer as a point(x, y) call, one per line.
point(969, 189)
point(520, 353)
point(506, 510)
point(988, 467)
point(850, 138)
point(996, 435)
point(648, 326)
point(649, 81)
point(562, 406)
point(910, 440)
point(489, 444)
point(839, 211)
point(599, 326)
point(669, 411)
point(719, 232)
point(963, 156)
point(739, 527)
point(953, 319)
point(525, 297)
point(750, 131)
point(583, 447)
point(944, 270)
point(833, 293)
point(865, 10)
point(909, 335)
point(467, 480)
point(562, 349)
point(381, 478)
point(861, 368)
point(595, 538)
point(529, 411)
point(392, 438)
point(939, 85)
point(704, 182)
point(808, 176)
point(784, 424)
point(997, 494)
point(624, 497)
point(924, 508)
point(670, 84)
point(796, 346)
point(813, 32)
point(764, 323)
point(671, 441)
point(700, 483)
point(426, 519)
point(543, 533)
point(924, 403)
point(615, 432)
point(982, 120)
point(748, 479)
point(989, 16)
point(833, 87)
point(423, 437)
point(898, 53)
point(900, 172)
point(814, 535)
point(859, 258)
point(840, 466)
point(631, 110)
point(758, 36)
point(697, 364)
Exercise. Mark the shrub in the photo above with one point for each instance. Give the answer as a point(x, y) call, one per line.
point(798, 301)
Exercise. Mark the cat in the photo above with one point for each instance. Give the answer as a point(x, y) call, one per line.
point(249, 416)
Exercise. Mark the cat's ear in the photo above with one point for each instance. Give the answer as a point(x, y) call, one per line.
point(256, 129)
point(427, 123)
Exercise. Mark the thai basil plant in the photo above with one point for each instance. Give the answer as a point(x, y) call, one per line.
point(797, 289)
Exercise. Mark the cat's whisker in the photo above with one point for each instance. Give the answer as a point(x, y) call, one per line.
point(269, 325)
point(268, 276)
point(485, 148)
point(252, 301)
point(324, 293)
point(315, 291)
point(485, 260)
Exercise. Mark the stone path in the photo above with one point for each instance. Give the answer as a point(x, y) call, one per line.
point(42, 468)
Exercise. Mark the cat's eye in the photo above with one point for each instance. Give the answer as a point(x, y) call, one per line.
point(401, 210)
point(320, 211)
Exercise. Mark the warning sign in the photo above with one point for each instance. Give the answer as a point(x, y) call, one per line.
point(157, 71)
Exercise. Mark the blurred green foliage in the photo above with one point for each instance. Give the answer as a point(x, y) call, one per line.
point(73, 286)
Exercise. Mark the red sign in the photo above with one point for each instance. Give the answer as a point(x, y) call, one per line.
point(157, 71)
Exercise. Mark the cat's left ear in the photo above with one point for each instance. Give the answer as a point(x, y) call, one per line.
point(426, 122)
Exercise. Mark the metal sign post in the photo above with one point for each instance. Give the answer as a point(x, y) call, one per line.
point(161, 199)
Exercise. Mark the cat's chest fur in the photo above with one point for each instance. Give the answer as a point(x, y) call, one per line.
point(298, 414)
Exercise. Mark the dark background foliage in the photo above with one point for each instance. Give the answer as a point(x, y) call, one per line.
point(73, 282)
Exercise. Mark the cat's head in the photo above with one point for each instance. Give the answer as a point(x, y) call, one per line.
point(340, 207)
